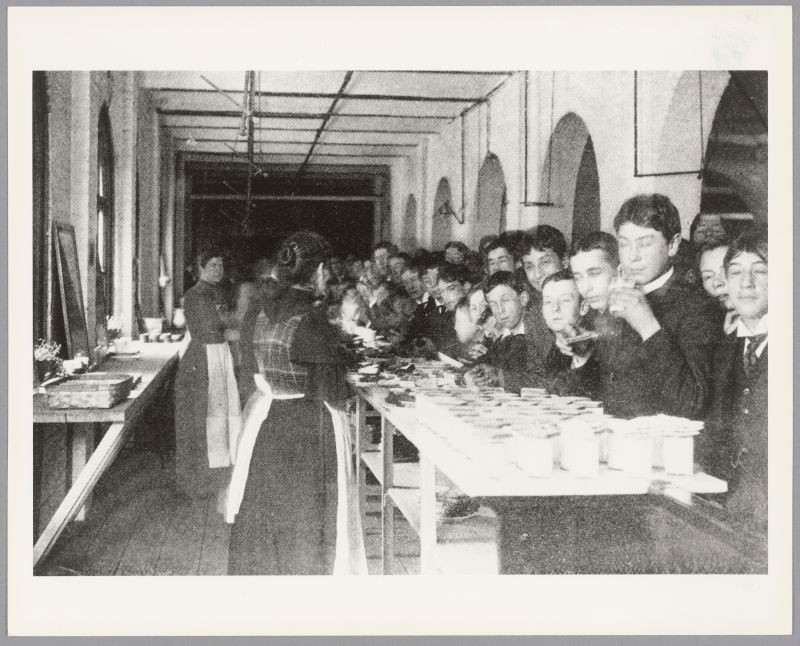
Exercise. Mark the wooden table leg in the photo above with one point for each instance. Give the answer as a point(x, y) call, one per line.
point(80, 452)
point(427, 524)
point(360, 475)
point(83, 485)
point(387, 505)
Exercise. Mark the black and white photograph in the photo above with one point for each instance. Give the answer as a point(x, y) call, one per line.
point(402, 324)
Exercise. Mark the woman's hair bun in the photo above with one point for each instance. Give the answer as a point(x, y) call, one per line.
point(287, 256)
point(301, 253)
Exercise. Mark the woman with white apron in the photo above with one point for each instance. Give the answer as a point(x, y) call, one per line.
point(207, 408)
point(292, 497)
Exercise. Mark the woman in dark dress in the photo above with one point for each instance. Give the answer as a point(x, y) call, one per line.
point(290, 495)
point(207, 409)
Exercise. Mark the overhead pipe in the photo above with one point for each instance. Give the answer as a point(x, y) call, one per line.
point(325, 120)
point(238, 197)
point(526, 201)
point(462, 116)
point(248, 205)
point(404, 98)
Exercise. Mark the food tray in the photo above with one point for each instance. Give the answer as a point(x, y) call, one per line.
point(91, 390)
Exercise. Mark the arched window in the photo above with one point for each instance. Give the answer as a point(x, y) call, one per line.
point(442, 226)
point(491, 200)
point(570, 179)
point(105, 214)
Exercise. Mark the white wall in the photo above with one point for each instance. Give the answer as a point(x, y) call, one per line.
point(74, 101)
point(669, 140)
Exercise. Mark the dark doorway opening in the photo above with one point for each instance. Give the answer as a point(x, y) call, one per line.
point(340, 203)
point(348, 226)
point(735, 174)
point(586, 209)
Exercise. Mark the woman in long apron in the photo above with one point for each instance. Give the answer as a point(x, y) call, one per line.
point(207, 408)
point(292, 513)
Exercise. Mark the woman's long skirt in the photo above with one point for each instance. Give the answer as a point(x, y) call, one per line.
point(287, 521)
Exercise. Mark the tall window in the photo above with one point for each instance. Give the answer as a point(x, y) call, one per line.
point(105, 214)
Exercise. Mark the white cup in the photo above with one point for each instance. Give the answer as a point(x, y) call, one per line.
point(679, 454)
point(71, 366)
point(122, 345)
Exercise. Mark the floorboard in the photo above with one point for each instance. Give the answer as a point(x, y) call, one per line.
point(139, 526)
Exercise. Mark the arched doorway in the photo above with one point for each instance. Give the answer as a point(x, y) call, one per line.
point(586, 205)
point(409, 241)
point(442, 227)
point(490, 201)
point(570, 180)
point(735, 173)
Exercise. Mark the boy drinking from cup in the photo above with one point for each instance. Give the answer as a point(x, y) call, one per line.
point(669, 367)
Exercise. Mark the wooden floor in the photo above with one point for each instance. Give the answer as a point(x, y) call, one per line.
point(139, 525)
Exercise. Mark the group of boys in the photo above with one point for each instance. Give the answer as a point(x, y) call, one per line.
point(614, 319)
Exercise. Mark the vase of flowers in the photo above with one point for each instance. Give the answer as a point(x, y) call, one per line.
point(46, 360)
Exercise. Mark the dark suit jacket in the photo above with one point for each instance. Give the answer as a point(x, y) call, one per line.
point(420, 322)
point(670, 372)
point(509, 356)
point(733, 445)
point(558, 376)
point(540, 340)
point(442, 332)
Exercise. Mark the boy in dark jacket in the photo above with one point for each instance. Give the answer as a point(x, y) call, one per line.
point(676, 328)
point(734, 445)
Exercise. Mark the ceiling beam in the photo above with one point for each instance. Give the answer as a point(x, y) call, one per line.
point(450, 72)
point(286, 198)
point(291, 154)
point(271, 129)
point(320, 143)
point(294, 115)
point(413, 98)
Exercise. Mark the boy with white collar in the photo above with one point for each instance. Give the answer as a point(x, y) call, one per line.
point(505, 361)
point(668, 363)
point(734, 445)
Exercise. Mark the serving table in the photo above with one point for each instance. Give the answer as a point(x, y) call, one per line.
point(518, 511)
point(154, 365)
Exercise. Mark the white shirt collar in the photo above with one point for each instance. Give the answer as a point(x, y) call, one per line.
point(519, 329)
point(653, 285)
point(424, 298)
point(438, 302)
point(762, 328)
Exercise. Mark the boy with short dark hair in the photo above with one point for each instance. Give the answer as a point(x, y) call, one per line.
point(453, 285)
point(455, 252)
point(398, 261)
point(506, 358)
point(670, 357)
point(380, 255)
point(734, 445)
point(500, 256)
point(542, 253)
